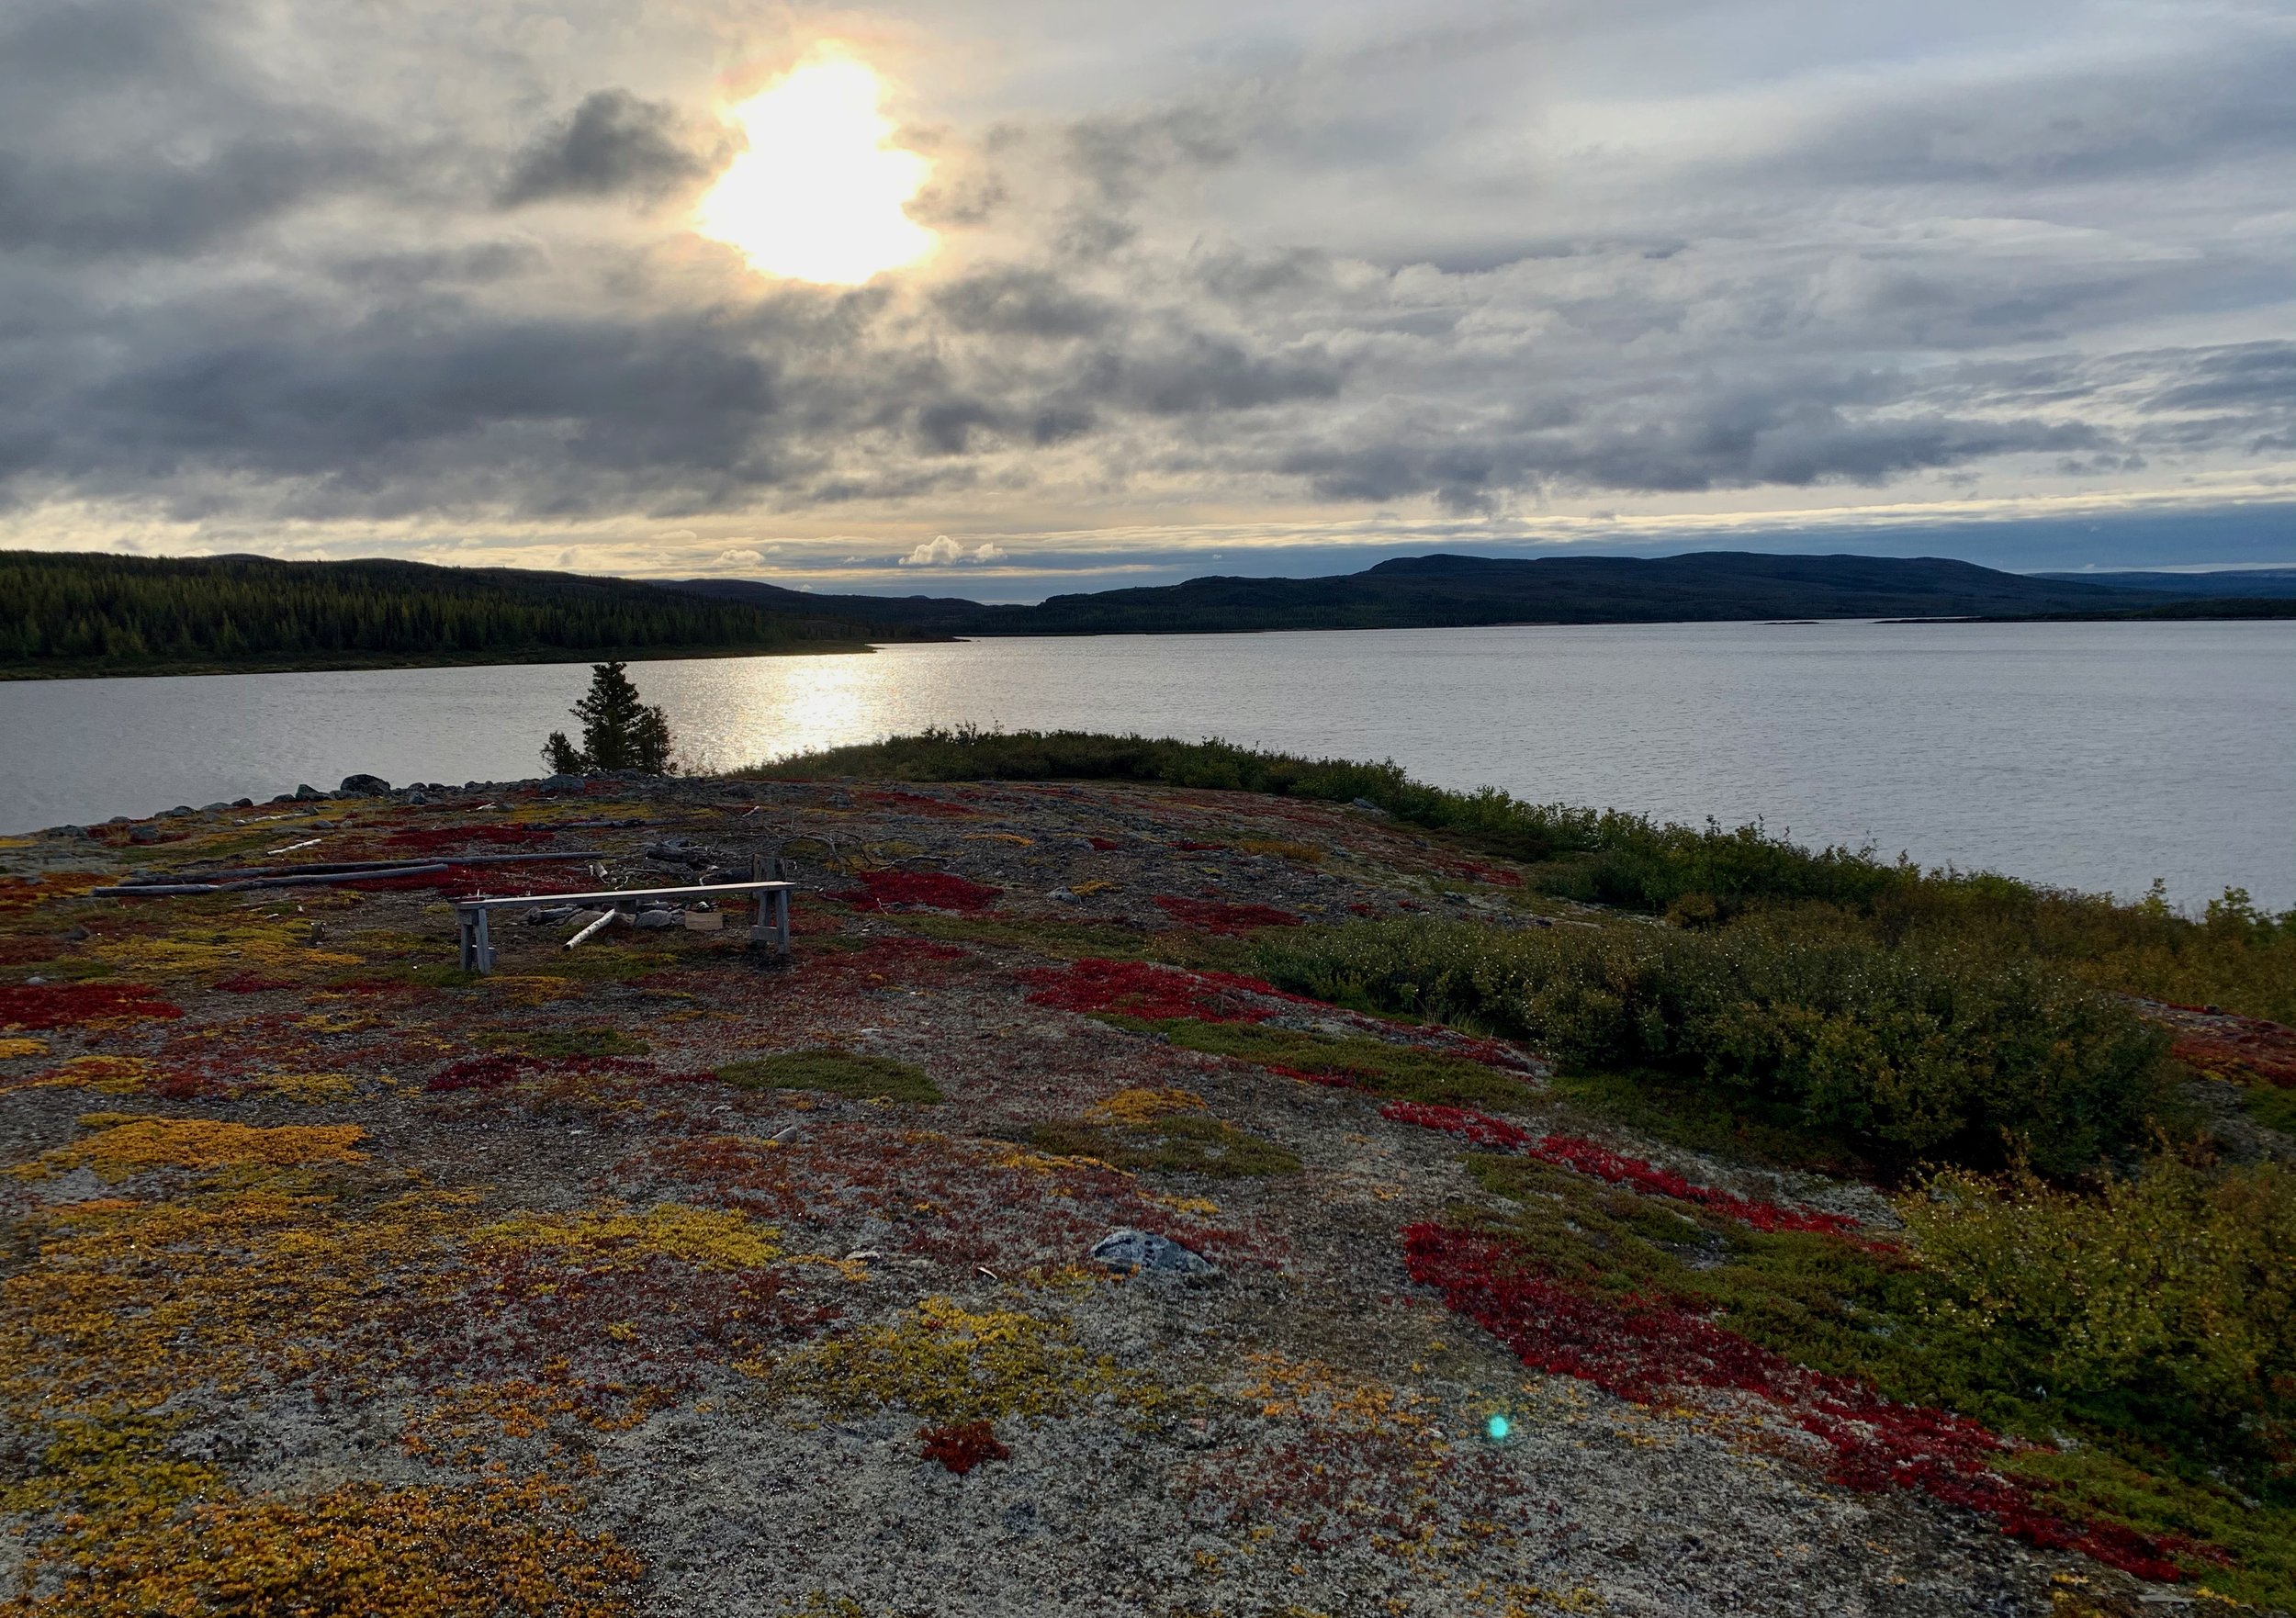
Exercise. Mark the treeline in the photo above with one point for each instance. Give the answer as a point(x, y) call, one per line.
point(82, 612)
point(1700, 878)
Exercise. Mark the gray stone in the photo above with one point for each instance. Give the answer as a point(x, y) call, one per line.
point(1368, 807)
point(67, 831)
point(308, 793)
point(561, 783)
point(243, 802)
point(144, 834)
point(1148, 1254)
point(364, 786)
point(656, 919)
point(417, 799)
point(177, 813)
point(217, 808)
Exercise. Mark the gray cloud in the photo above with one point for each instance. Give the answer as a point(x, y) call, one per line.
point(615, 143)
point(1332, 258)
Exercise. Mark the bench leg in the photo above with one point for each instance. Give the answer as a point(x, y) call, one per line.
point(781, 920)
point(464, 953)
point(482, 948)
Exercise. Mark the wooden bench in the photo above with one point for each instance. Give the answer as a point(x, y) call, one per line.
point(478, 947)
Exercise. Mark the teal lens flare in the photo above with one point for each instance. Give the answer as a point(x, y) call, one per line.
point(1497, 1428)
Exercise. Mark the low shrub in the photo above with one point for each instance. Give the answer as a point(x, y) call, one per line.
point(1918, 1051)
point(2164, 1303)
point(2236, 956)
point(839, 1071)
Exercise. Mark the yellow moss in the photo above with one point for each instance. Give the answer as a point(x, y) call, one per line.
point(268, 947)
point(1098, 885)
point(107, 1076)
point(360, 1550)
point(949, 1364)
point(308, 1087)
point(128, 1144)
point(1305, 853)
point(709, 1238)
point(1146, 1106)
point(13, 1049)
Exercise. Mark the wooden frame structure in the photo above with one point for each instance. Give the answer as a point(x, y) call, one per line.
point(478, 946)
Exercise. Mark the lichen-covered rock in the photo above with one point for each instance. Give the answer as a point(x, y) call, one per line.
point(1150, 1254)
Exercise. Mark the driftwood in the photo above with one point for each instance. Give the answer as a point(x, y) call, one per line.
point(304, 876)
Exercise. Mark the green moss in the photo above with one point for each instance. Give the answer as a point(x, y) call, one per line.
point(1408, 1073)
point(2273, 1108)
point(839, 1071)
point(1183, 1143)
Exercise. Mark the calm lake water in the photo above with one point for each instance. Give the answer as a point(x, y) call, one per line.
point(2088, 755)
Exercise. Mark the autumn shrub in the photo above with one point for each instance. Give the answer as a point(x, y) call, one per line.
point(1918, 1051)
point(2164, 1303)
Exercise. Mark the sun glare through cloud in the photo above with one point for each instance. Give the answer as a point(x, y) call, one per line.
point(818, 193)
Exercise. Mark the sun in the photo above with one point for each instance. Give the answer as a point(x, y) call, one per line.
point(818, 195)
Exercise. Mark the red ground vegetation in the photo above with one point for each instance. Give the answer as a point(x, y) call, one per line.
point(1152, 994)
point(914, 803)
point(962, 1445)
point(927, 890)
point(62, 1005)
point(1210, 916)
point(2243, 1049)
point(1571, 1152)
point(1652, 1349)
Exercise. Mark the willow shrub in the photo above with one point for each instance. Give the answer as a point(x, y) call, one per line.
point(1921, 1052)
point(2164, 1303)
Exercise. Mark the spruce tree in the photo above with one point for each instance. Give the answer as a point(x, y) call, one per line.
point(619, 732)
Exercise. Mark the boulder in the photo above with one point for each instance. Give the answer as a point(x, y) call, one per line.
point(177, 813)
point(1146, 1253)
point(364, 786)
point(561, 783)
point(308, 793)
point(653, 920)
point(243, 802)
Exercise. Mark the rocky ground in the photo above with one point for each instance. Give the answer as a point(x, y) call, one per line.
point(659, 1275)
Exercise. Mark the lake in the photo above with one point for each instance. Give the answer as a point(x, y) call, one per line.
point(2097, 756)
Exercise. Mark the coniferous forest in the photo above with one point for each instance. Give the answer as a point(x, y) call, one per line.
point(84, 614)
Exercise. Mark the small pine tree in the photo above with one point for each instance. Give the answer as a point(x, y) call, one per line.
point(618, 731)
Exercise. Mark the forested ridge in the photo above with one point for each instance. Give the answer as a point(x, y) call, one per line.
point(96, 614)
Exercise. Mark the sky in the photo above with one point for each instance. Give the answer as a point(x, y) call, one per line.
point(1257, 286)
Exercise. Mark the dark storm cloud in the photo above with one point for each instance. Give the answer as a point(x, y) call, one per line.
point(615, 143)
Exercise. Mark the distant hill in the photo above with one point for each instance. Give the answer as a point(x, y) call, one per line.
point(2218, 585)
point(77, 613)
point(1438, 591)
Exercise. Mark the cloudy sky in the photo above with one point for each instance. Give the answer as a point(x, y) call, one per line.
point(1241, 286)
